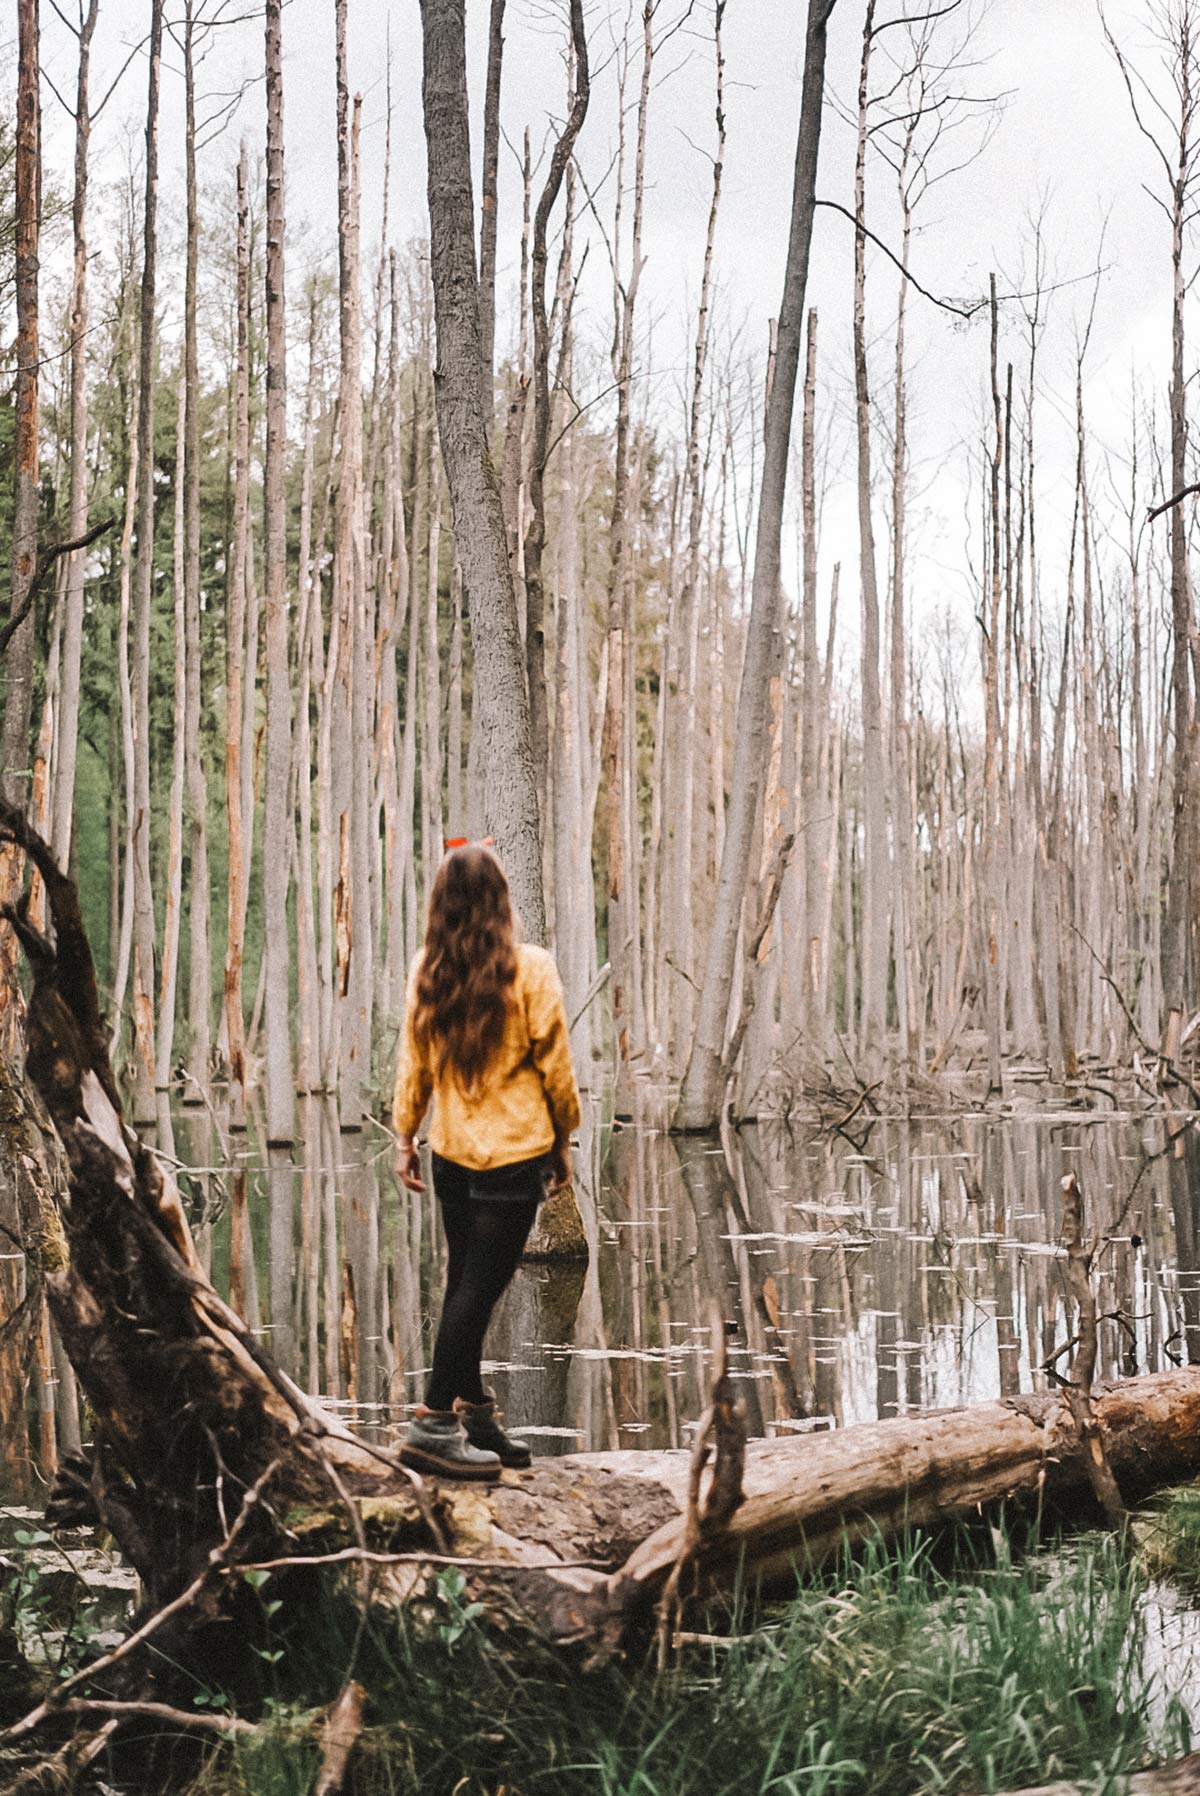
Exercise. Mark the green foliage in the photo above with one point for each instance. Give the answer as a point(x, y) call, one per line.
point(1169, 1536)
point(897, 1674)
point(54, 1617)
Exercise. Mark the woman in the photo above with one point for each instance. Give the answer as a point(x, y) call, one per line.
point(485, 1035)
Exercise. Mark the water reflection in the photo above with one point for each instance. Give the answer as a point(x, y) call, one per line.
point(913, 1266)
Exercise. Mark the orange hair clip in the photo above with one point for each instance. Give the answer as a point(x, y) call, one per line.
point(449, 842)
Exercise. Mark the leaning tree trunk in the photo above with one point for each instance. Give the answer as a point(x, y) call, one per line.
point(500, 689)
point(700, 1101)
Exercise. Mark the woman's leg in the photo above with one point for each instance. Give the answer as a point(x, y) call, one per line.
point(451, 1184)
point(498, 1233)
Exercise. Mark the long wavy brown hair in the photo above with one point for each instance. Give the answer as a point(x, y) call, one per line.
point(468, 967)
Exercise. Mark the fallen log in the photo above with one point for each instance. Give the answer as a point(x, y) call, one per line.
point(1179, 1779)
point(207, 1458)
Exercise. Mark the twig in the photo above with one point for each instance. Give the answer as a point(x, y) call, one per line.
point(349, 1555)
point(48, 558)
point(1156, 511)
point(155, 1711)
point(1079, 1393)
point(1109, 980)
point(593, 992)
point(55, 1702)
point(61, 1768)
point(339, 1736)
point(725, 1423)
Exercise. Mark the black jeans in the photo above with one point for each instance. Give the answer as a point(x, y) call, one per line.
point(487, 1218)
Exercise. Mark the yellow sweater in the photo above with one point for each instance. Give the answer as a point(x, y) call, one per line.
point(529, 1095)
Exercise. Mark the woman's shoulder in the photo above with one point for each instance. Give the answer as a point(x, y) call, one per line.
point(535, 965)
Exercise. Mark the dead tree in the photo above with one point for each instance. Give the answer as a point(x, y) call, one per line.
point(535, 535)
point(18, 662)
point(479, 533)
point(143, 597)
point(277, 827)
point(703, 1086)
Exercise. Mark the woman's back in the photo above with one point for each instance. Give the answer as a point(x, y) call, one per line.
point(524, 1099)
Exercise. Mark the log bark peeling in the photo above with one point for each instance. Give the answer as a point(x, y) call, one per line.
point(191, 1413)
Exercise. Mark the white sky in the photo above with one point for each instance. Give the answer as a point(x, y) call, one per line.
point(1066, 135)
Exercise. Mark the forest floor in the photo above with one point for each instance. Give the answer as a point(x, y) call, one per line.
point(987, 1664)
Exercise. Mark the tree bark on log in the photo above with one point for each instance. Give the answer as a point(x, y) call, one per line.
point(1179, 1779)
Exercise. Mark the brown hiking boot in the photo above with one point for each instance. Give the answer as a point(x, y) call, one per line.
point(484, 1431)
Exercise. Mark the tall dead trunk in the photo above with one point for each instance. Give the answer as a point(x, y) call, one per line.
point(500, 688)
point(992, 844)
point(678, 921)
point(619, 773)
point(876, 872)
point(18, 657)
point(280, 1094)
point(169, 970)
point(811, 718)
point(143, 602)
point(1178, 928)
point(67, 730)
point(535, 535)
point(700, 1101)
point(489, 183)
point(235, 637)
point(199, 1054)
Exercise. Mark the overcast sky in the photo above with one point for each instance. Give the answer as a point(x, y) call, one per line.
point(1066, 137)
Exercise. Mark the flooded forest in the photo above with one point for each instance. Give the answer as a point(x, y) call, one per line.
point(736, 460)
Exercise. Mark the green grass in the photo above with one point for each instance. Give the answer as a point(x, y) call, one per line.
point(900, 1674)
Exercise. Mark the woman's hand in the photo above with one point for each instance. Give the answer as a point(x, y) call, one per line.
point(560, 1167)
point(408, 1163)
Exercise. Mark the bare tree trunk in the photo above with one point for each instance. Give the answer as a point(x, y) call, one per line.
point(280, 1093)
point(488, 186)
point(125, 688)
point(574, 899)
point(67, 731)
point(199, 903)
point(700, 1100)
point(812, 719)
point(500, 689)
point(679, 923)
point(1178, 927)
point(618, 773)
point(143, 598)
point(431, 672)
point(169, 971)
point(876, 870)
point(535, 535)
point(18, 658)
point(309, 620)
point(235, 637)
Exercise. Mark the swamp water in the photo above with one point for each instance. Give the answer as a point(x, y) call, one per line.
point(895, 1267)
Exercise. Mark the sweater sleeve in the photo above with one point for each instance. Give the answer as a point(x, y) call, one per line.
point(551, 1044)
point(414, 1076)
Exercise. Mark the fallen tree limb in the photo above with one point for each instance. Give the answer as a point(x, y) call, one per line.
point(1179, 1779)
point(1079, 1389)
